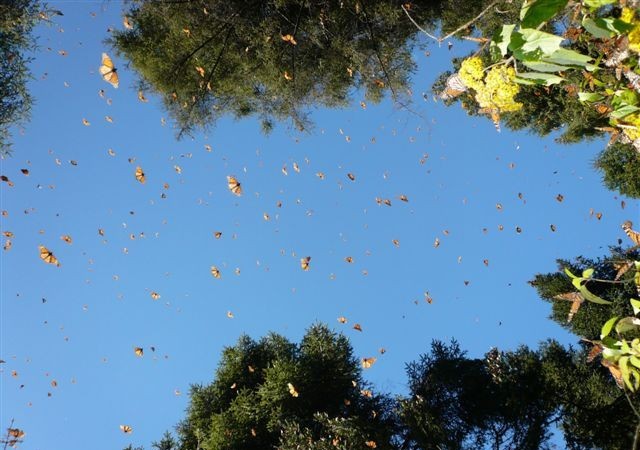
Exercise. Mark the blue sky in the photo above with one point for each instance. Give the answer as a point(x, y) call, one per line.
point(78, 324)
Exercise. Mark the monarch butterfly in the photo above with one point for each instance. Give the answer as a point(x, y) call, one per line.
point(108, 71)
point(453, 87)
point(357, 327)
point(47, 256)
point(633, 235)
point(126, 429)
point(368, 362)
point(292, 390)
point(304, 263)
point(342, 319)
point(140, 175)
point(576, 300)
point(155, 295)
point(215, 272)
point(290, 39)
point(139, 351)
point(234, 186)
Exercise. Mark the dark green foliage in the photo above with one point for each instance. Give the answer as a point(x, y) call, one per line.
point(461, 403)
point(590, 318)
point(620, 165)
point(549, 109)
point(249, 405)
point(17, 19)
point(509, 400)
point(594, 412)
point(341, 46)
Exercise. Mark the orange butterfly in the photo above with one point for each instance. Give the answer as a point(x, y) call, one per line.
point(126, 429)
point(576, 300)
point(108, 71)
point(304, 263)
point(139, 351)
point(140, 175)
point(47, 256)
point(292, 390)
point(633, 235)
point(215, 272)
point(368, 362)
point(234, 186)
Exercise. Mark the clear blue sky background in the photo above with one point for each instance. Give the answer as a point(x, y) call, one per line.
point(83, 335)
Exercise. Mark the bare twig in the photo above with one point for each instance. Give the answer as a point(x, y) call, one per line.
point(439, 40)
point(418, 26)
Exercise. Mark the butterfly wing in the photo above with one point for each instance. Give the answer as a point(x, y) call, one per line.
point(234, 186)
point(108, 71)
point(107, 62)
point(140, 175)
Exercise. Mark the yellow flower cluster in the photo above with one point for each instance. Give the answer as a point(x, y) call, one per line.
point(628, 15)
point(496, 90)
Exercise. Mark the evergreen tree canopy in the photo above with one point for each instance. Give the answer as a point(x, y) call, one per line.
point(17, 19)
point(275, 394)
point(588, 321)
point(620, 164)
point(273, 59)
point(510, 400)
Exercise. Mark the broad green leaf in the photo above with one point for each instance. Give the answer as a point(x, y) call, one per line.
point(611, 348)
point(592, 27)
point(624, 369)
point(568, 58)
point(592, 297)
point(599, 3)
point(635, 361)
point(636, 378)
point(623, 343)
point(587, 273)
point(624, 97)
point(608, 327)
point(590, 96)
point(635, 304)
point(502, 38)
point(535, 12)
point(623, 111)
point(541, 66)
point(616, 26)
point(627, 324)
point(546, 79)
point(539, 40)
point(568, 272)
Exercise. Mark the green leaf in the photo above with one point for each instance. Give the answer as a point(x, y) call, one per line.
point(624, 369)
point(615, 26)
point(546, 79)
point(568, 272)
point(541, 66)
point(539, 40)
point(592, 27)
point(592, 297)
point(635, 304)
point(608, 327)
point(535, 12)
point(623, 111)
point(568, 58)
point(590, 96)
point(599, 3)
point(611, 348)
point(635, 361)
point(501, 39)
point(587, 273)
